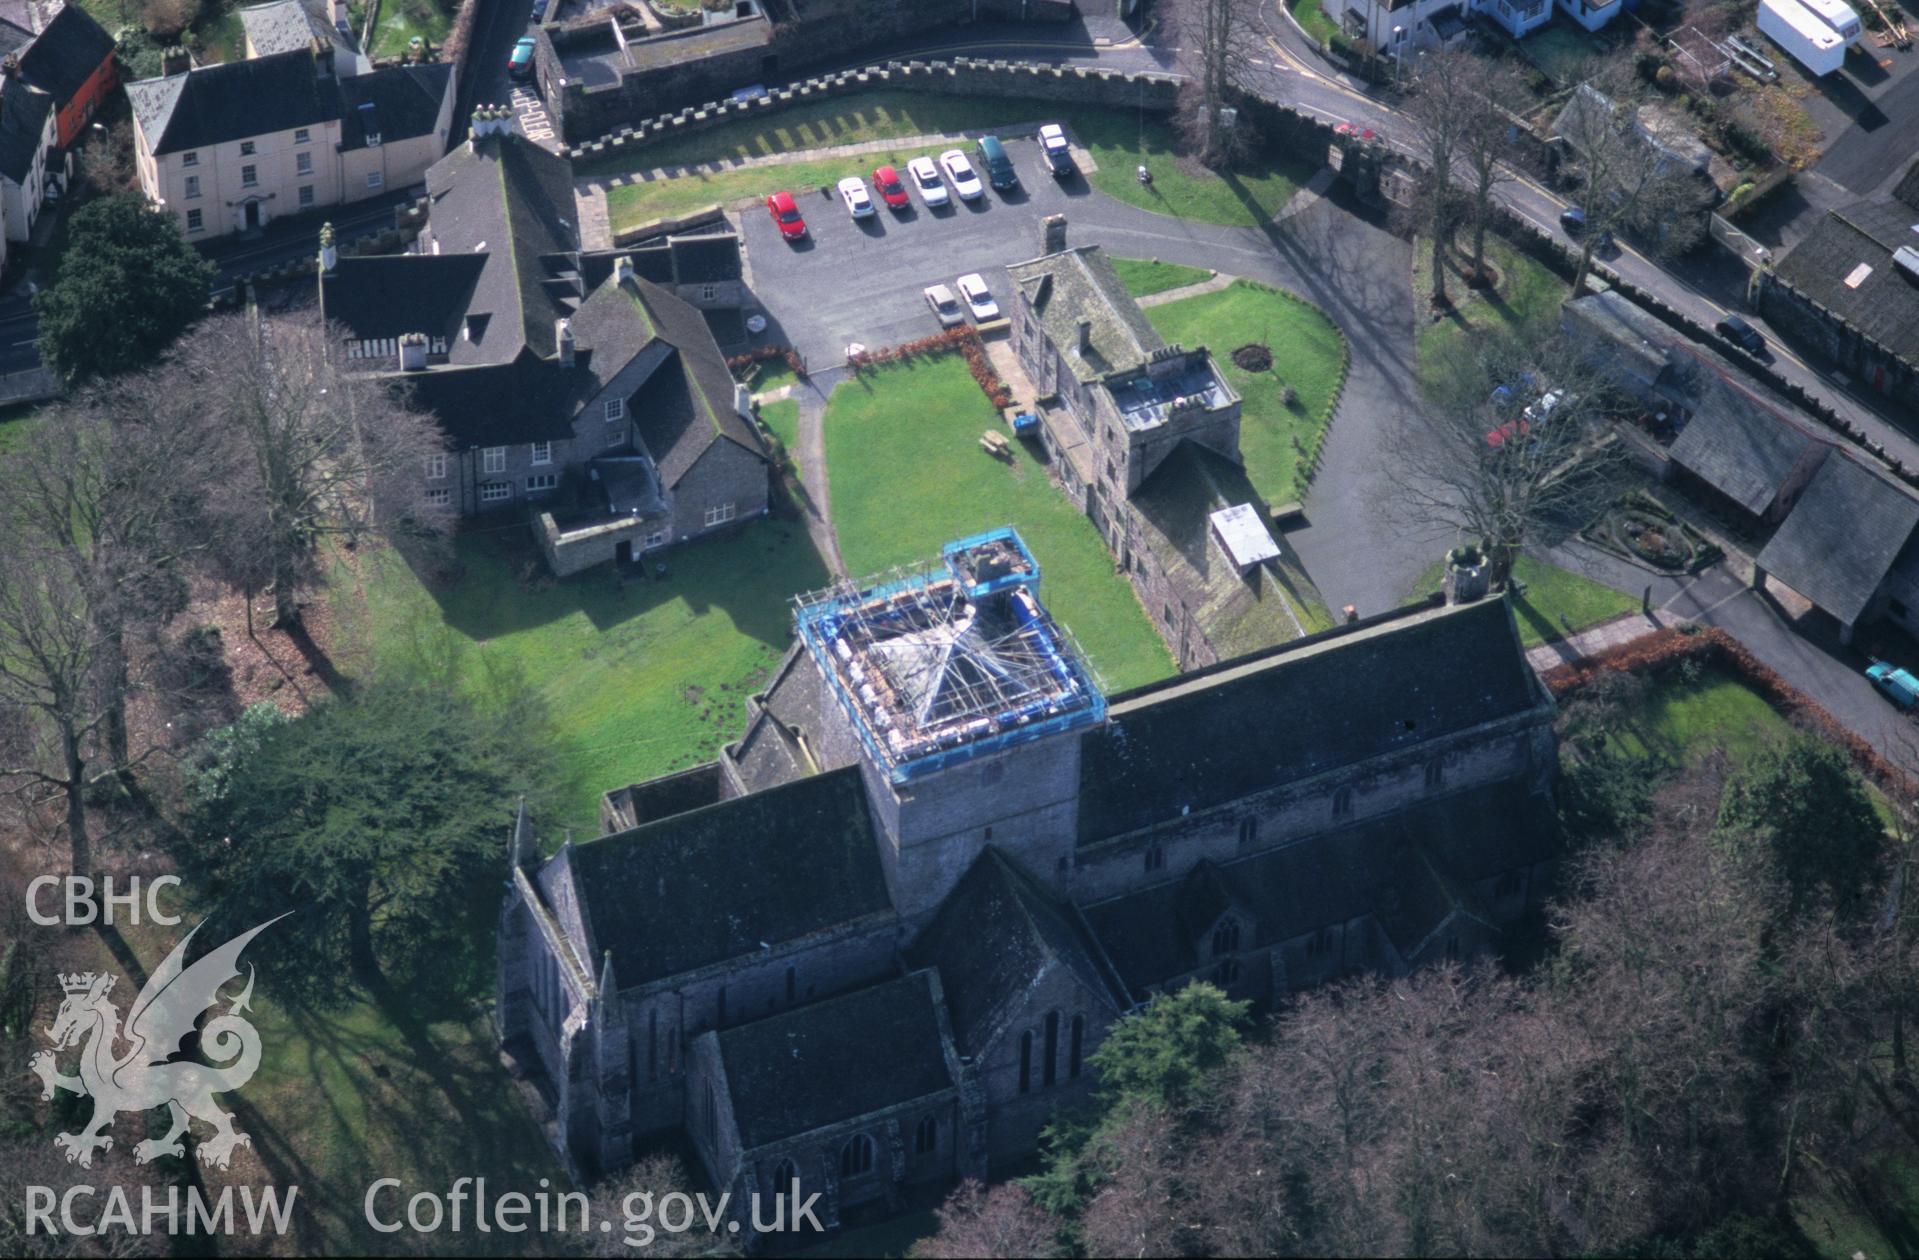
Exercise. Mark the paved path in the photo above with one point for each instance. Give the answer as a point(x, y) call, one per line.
point(1619, 631)
point(816, 507)
point(1219, 281)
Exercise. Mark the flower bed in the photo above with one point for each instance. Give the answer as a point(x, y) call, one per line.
point(1640, 526)
point(965, 340)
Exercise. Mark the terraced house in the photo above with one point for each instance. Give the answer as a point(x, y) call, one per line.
point(572, 388)
point(873, 947)
point(229, 147)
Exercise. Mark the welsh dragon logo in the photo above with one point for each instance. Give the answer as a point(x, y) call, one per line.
point(147, 1075)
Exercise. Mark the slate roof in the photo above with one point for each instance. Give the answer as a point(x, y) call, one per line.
point(289, 24)
point(13, 36)
point(783, 741)
point(1236, 614)
point(687, 406)
point(1221, 733)
point(1907, 190)
point(384, 295)
point(511, 200)
point(1885, 305)
point(1737, 444)
point(23, 122)
point(835, 1060)
point(1078, 284)
point(717, 883)
point(1408, 872)
point(995, 936)
point(495, 404)
point(1842, 537)
point(66, 53)
point(405, 101)
point(234, 100)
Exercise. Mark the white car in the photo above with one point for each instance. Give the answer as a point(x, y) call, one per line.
point(945, 306)
point(960, 171)
point(978, 300)
point(1057, 152)
point(853, 193)
point(926, 178)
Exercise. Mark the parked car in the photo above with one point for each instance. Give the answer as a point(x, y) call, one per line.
point(1058, 154)
point(519, 62)
point(1573, 219)
point(999, 167)
point(946, 307)
point(751, 92)
point(886, 182)
point(853, 193)
point(978, 299)
point(1894, 684)
point(1736, 330)
point(965, 181)
point(926, 178)
point(786, 215)
point(1353, 131)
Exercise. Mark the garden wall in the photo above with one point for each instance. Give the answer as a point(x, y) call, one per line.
point(962, 76)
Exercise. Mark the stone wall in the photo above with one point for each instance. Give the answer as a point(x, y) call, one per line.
point(578, 550)
point(602, 123)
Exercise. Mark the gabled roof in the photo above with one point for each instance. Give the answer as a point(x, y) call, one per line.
point(1080, 284)
point(285, 25)
point(1236, 614)
point(385, 295)
point(1845, 264)
point(686, 407)
point(836, 1060)
point(995, 936)
point(1222, 733)
point(728, 880)
point(405, 101)
point(232, 101)
point(66, 53)
point(507, 198)
point(1737, 444)
point(24, 110)
point(495, 404)
point(1842, 537)
point(1408, 872)
point(1907, 189)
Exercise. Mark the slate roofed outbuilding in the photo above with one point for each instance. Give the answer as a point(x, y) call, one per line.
point(1845, 264)
point(717, 883)
point(1408, 872)
point(836, 1060)
point(24, 110)
point(1843, 536)
point(1080, 284)
point(66, 53)
point(996, 934)
point(1228, 731)
point(1738, 445)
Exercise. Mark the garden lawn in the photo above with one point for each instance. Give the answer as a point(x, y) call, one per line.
point(783, 419)
point(1308, 353)
point(1561, 51)
point(907, 476)
point(401, 20)
point(1119, 141)
point(1526, 294)
point(637, 681)
point(1143, 277)
point(1684, 718)
point(1315, 21)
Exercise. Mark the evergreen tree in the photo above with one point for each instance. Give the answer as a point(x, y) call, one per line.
point(126, 285)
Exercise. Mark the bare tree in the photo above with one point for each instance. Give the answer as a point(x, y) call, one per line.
point(1440, 105)
point(1221, 38)
point(631, 1202)
point(999, 1220)
point(316, 453)
point(1631, 181)
point(1517, 449)
point(1485, 141)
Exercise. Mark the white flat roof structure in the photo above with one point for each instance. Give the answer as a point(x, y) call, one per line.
point(1837, 14)
point(1802, 33)
point(1245, 538)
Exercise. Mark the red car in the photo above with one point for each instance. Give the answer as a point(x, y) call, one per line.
point(1496, 438)
point(786, 215)
point(892, 192)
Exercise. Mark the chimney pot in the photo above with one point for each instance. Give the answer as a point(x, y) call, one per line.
point(563, 341)
point(174, 61)
point(413, 352)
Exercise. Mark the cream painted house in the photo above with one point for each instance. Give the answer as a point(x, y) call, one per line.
point(230, 147)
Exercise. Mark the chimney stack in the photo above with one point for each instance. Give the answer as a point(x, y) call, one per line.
point(413, 352)
point(329, 255)
point(623, 270)
point(322, 57)
point(1052, 234)
point(175, 60)
point(1085, 337)
point(563, 342)
point(341, 20)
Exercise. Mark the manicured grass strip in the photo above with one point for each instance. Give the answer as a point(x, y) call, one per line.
point(631, 204)
point(1144, 277)
point(908, 475)
point(1309, 354)
point(1526, 295)
point(1555, 597)
point(401, 20)
point(1685, 718)
point(637, 681)
point(1314, 20)
point(783, 418)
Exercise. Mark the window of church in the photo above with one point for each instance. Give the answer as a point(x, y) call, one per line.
point(1155, 856)
point(786, 1178)
point(1025, 1062)
point(926, 1135)
point(1226, 938)
point(1227, 973)
point(1435, 773)
point(1343, 803)
point(856, 1157)
point(1248, 830)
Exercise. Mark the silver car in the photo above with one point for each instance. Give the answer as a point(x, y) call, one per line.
point(946, 307)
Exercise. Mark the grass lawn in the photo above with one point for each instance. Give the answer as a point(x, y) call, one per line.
point(1683, 719)
point(401, 20)
point(783, 418)
point(770, 374)
point(1308, 353)
point(1144, 277)
point(1527, 293)
point(908, 475)
point(637, 681)
point(1562, 52)
point(1314, 20)
point(1842, 1223)
point(1119, 141)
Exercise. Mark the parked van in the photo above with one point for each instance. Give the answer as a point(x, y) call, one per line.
point(999, 168)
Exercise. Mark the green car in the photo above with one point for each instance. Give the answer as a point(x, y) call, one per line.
point(519, 64)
